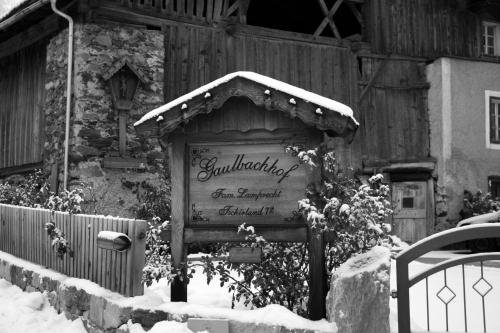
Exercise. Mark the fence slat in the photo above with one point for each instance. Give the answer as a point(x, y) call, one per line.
point(22, 233)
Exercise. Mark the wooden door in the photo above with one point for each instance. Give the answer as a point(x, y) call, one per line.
point(409, 200)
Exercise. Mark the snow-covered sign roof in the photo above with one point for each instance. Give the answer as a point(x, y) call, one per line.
point(314, 110)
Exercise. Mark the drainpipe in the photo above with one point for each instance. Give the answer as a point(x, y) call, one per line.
point(68, 88)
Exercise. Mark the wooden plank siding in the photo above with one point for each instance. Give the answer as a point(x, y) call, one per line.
point(195, 56)
point(204, 11)
point(22, 80)
point(393, 112)
point(421, 28)
point(22, 234)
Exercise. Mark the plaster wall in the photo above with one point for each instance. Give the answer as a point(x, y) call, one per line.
point(94, 122)
point(458, 130)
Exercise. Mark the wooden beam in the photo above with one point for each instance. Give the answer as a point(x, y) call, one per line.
point(328, 18)
point(30, 36)
point(122, 132)
point(317, 277)
point(176, 153)
point(373, 78)
point(229, 233)
point(20, 169)
point(416, 85)
point(355, 12)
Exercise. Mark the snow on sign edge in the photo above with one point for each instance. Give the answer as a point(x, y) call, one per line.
point(311, 97)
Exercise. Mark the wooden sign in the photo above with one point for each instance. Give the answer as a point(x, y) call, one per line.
point(248, 255)
point(251, 182)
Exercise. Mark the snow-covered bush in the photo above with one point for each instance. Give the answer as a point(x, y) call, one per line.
point(478, 203)
point(157, 254)
point(280, 278)
point(66, 201)
point(31, 192)
point(34, 192)
point(352, 213)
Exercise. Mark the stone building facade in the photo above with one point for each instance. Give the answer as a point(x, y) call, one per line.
point(94, 120)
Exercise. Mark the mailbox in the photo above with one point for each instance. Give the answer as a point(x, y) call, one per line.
point(111, 240)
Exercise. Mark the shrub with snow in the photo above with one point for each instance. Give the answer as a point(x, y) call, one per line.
point(34, 192)
point(352, 212)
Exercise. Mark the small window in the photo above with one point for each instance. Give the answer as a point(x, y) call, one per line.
point(492, 115)
point(408, 203)
point(494, 112)
point(489, 42)
point(494, 186)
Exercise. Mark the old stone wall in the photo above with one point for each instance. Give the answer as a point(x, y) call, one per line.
point(103, 311)
point(94, 121)
point(55, 98)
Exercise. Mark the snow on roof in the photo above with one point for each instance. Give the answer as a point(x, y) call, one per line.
point(311, 97)
point(9, 7)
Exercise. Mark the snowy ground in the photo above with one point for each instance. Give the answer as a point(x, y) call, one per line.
point(437, 310)
point(31, 312)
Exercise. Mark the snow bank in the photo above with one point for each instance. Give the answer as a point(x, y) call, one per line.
point(161, 327)
point(358, 300)
point(31, 312)
point(109, 309)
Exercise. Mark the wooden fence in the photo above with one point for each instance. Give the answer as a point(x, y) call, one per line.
point(22, 234)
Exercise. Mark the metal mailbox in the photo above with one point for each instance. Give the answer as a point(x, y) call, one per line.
point(112, 240)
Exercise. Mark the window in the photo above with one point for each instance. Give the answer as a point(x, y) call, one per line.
point(494, 186)
point(489, 42)
point(492, 116)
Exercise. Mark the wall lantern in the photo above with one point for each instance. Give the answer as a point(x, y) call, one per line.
point(111, 240)
point(123, 78)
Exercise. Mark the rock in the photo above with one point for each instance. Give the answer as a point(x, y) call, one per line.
point(358, 300)
point(103, 40)
point(147, 318)
point(115, 315)
point(97, 304)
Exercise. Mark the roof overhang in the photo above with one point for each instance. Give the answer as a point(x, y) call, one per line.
point(332, 117)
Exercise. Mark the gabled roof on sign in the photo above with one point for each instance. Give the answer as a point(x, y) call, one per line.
point(314, 110)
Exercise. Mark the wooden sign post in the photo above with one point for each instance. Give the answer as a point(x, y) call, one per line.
point(226, 143)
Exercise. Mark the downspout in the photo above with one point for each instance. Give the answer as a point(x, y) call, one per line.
point(68, 88)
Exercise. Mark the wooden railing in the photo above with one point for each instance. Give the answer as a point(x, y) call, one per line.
point(209, 10)
point(22, 234)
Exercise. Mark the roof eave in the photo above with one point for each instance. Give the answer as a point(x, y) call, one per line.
point(329, 121)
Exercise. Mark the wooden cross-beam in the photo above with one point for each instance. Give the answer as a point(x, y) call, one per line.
point(328, 20)
point(241, 6)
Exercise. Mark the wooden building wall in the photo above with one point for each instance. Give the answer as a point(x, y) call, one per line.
point(21, 102)
point(421, 28)
point(394, 123)
point(196, 55)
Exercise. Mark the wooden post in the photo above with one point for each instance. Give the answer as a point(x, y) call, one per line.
point(317, 277)
point(122, 131)
point(176, 153)
point(54, 178)
point(138, 256)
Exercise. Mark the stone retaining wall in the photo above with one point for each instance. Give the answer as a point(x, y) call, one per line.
point(101, 310)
